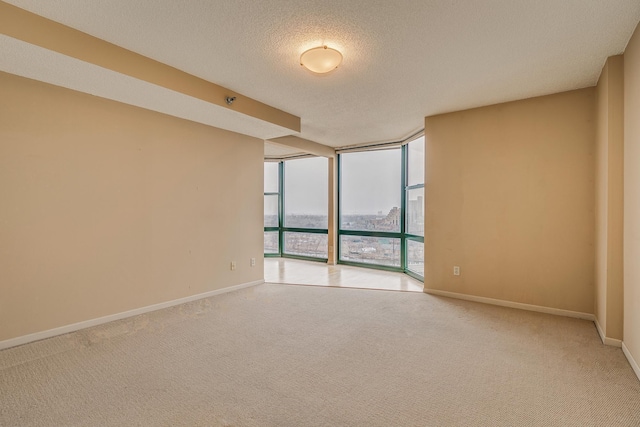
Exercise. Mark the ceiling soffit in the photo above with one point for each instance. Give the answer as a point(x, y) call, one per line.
point(25, 33)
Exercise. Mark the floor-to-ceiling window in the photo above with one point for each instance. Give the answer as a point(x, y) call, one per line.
point(296, 215)
point(272, 178)
point(370, 225)
point(414, 211)
point(305, 208)
point(381, 208)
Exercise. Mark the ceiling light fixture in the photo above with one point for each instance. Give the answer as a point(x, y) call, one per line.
point(321, 59)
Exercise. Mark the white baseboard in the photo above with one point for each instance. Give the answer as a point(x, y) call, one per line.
point(511, 304)
point(13, 342)
point(632, 362)
point(599, 329)
point(606, 340)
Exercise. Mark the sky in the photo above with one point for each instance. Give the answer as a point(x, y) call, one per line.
point(370, 181)
point(306, 186)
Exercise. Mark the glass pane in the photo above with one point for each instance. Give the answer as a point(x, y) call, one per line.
point(271, 242)
point(415, 257)
point(370, 192)
point(271, 177)
point(271, 210)
point(415, 173)
point(306, 193)
point(370, 250)
point(415, 211)
point(306, 244)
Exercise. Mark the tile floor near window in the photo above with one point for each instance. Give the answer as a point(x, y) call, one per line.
point(291, 271)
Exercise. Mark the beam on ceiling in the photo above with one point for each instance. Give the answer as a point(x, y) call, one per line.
point(305, 145)
point(37, 30)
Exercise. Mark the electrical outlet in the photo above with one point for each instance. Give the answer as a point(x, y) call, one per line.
point(252, 262)
point(456, 270)
point(233, 265)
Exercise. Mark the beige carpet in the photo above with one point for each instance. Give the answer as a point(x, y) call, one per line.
point(282, 355)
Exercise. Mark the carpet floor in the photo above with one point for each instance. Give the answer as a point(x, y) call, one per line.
point(283, 355)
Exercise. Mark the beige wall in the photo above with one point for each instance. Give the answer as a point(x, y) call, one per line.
point(510, 199)
point(609, 198)
point(107, 207)
point(632, 196)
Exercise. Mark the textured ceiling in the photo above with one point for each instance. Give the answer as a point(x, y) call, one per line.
point(403, 60)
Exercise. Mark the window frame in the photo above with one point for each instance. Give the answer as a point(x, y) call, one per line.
point(403, 235)
point(276, 228)
point(409, 236)
point(281, 229)
point(380, 234)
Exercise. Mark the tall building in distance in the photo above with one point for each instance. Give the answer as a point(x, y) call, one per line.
point(415, 216)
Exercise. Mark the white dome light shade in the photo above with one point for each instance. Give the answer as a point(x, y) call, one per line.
point(321, 59)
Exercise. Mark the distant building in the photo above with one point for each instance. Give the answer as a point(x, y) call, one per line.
point(415, 216)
